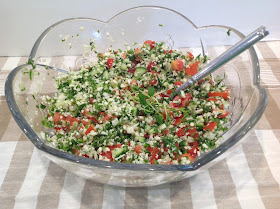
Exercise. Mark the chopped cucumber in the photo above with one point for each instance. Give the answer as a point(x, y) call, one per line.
point(96, 71)
point(106, 75)
point(149, 130)
point(142, 139)
point(126, 61)
point(117, 152)
point(123, 67)
point(135, 111)
point(62, 103)
point(113, 83)
point(140, 71)
point(199, 126)
point(21, 87)
point(192, 105)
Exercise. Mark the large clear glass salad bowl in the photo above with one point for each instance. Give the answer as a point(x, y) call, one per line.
point(66, 45)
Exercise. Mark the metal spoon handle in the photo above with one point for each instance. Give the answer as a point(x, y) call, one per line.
point(228, 55)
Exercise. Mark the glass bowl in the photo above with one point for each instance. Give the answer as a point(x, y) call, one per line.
point(62, 46)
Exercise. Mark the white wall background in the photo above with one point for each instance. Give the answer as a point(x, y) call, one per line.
point(22, 21)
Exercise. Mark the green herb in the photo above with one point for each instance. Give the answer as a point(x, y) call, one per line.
point(167, 141)
point(228, 32)
point(205, 58)
point(142, 99)
point(31, 62)
point(151, 91)
point(21, 87)
point(46, 123)
point(31, 74)
point(160, 25)
point(159, 119)
point(42, 106)
point(80, 107)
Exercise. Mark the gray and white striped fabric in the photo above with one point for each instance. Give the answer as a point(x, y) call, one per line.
point(247, 178)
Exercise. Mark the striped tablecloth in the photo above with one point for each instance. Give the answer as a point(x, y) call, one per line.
point(247, 178)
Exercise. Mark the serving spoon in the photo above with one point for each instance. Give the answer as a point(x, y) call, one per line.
point(228, 55)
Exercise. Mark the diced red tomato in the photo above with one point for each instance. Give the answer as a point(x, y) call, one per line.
point(169, 91)
point(91, 100)
point(192, 70)
point(150, 43)
point(90, 116)
point(56, 129)
point(110, 63)
point(183, 102)
point(151, 65)
point(193, 133)
point(90, 128)
point(137, 53)
point(178, 83)
point(164, 114)
point(180, 132)
point(194, 149)
point(115, 146)
point(124, 55)
point(191, 158)
point(93, 119)
point(108, 155)
point(224, 94)
point(86, 122)
point(201, 81)
point(153, 82)
point(71, 120)
point(177, 65)
point(131, 70)
point(57, 118)
point(85, 155)
point(102, 113)
point(138, 148)
point(155, 152)
point(190, 55)
point(194, 143)
point(108, 117)
point(163, 95)
point(212, 99)
point(190, 132)
point(168, 52)
point(222, 113)
point(211, 126)
point(178, 120)
point(166, 132)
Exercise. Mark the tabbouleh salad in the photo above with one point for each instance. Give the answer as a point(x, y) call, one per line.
point(120, 109)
